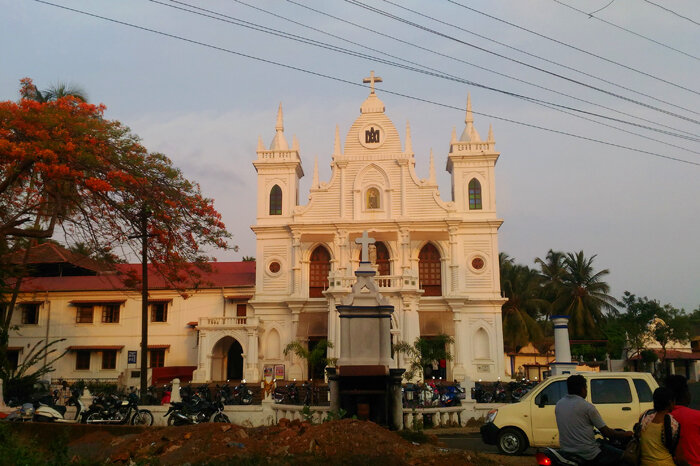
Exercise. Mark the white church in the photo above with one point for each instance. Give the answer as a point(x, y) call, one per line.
point(436, 261)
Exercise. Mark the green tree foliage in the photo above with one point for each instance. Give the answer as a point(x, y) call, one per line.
point(579, 292)
point(316, 357)
point(423, 353)
point(523, 289)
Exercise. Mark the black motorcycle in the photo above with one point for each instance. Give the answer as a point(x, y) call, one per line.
point(310, 393)
point(242, 394)
point(289, 394)
point(111, 409)
point(480, 394)
point(196, 410)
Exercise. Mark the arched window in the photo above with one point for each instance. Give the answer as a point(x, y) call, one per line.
point(381, 260)
point(319, 267)
point(429, 274)
point(373, 198)
point(276, 200)
point(474, 194)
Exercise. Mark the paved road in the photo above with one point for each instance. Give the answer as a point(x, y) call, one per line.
point(473, 442)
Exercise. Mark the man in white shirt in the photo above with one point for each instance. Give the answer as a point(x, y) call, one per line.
point(576, 419)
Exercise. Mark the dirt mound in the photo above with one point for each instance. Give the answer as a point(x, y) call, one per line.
point(346, 441)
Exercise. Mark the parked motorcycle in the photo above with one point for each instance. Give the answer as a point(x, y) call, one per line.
point(480, 394)
point(289, 394)
point(196, 411)
point(499, 393)
point(47, 410)
point(113, 410)
point(242, 395)
point(451, 395)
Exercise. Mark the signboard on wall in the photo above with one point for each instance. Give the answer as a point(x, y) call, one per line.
point(279, 372)
point(268, 371)
point(131, 357)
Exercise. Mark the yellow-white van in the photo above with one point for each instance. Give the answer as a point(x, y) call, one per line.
point(620, 397)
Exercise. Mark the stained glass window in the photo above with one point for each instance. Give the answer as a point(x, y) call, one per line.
point(474, 194)
point(276, 200)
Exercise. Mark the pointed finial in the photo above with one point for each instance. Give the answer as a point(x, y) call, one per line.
point(295, 143)
point(336, 145)
point(453, 139)
point(490, 133)
point(261, 146)
point(432, 167)
point(314, 181)
point(409, 143)
point(371, 80)
point(469, 118)
point(280, 121)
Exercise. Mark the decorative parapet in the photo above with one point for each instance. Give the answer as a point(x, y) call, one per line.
point(229, 322)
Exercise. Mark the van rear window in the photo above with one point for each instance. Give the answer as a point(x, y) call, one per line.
point(610, 391)
point(643, 390)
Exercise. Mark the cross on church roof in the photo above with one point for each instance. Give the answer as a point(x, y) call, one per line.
point(365, 241)
point(371, 80)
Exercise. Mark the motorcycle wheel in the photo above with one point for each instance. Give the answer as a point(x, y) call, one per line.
point(220, 417)
point(172, 420)
point(142, 417)
point(93, 418)
point(247, 400)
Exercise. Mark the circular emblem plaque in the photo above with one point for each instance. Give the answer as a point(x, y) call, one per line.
point(372, 136)
point(478, 263)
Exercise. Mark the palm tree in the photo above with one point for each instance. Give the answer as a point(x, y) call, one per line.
point(54, 92)
point(522, 286)
point(551, 270)
point(582, 294)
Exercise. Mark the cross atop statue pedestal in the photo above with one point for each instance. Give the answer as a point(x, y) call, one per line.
point(371, 80)
point(365, 241)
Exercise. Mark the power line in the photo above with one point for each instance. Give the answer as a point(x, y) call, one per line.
point(602, 8)
point(503, 44)
point(437, 73)
point(672, 12)
point(431, 71)
point(627, 30)
point(438, 33)
point(578, 49)
point(345, 81)
point(450, 57)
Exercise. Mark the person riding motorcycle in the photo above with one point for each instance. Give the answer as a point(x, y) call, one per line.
point(576, 419)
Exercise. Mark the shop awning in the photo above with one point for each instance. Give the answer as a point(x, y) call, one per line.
point(96, 347)
point(160, 300)
point(97, 301)
point(158, 346)
point(244, 297)
point(194, 323)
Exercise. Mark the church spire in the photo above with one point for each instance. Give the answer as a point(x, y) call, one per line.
point(469, 134)
point(409, 142)
point(490, 138)
point(261, 146)
point(279, 142)
point(432, 168)
point(336, 145)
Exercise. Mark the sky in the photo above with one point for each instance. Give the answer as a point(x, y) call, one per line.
point(554, 82)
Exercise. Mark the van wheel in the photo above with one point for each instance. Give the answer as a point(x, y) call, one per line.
point(511, 441)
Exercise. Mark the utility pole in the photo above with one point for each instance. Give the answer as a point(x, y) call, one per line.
point(144, 300)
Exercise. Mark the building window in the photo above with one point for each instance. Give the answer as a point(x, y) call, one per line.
point(319, 268)
point(241, 310)
point(83, 315)
point(82, 360)
point(157, 357)
point(429, 275)
point(373, 198)
point(13, 359)
point(110, 314)
point(276, 200)
point(474, 194)
point(109, 359)
point(159, 312)
point(30, 313)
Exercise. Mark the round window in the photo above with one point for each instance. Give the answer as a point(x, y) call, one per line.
point(478, 263)
point(274, 267)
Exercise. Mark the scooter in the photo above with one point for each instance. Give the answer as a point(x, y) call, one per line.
point(51, 412)
point(553, 457)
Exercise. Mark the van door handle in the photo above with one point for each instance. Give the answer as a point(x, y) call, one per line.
point(627, 408)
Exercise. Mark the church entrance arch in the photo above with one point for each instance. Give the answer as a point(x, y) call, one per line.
point(227, 360)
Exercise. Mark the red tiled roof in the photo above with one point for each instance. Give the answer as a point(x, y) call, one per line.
point(51, 253)
point(674, 354)
point(222, 274)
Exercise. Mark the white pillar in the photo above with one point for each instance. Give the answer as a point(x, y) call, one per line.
point(562, 349)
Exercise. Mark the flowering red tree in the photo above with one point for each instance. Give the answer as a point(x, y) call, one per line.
point(65, 169)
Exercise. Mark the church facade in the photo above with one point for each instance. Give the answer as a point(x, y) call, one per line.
point(436, 259)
